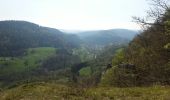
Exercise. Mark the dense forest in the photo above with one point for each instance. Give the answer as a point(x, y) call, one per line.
point(16, 36)
point(38, 62)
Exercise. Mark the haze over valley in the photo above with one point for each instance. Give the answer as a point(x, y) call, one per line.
point(85, 50)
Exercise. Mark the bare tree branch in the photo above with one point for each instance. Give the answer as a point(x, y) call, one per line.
point(154, 14)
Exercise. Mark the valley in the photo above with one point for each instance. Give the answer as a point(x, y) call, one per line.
point(43, 63)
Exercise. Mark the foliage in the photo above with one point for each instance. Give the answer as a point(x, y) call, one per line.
point(84, 53)
point(118, 77)
point(146, 60)
point(91, 70)
point(86, 71)
point(147, 55)
point(118, 57)
point(167, 46)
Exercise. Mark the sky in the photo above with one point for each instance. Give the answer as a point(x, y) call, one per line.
point(75, 14)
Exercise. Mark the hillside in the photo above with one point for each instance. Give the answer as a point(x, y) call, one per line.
point(53, 91)
point(146, 60)
point(17, 36)
point(29, 52)
point(107, 37)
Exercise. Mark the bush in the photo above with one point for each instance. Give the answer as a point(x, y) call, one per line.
point(119, 77)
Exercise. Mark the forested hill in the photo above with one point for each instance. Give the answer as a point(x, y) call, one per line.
point(16, 36)
point(146, 60)
point(107, 37)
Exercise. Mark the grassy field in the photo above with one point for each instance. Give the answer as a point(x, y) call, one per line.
point(32, 58)
point(52, 91)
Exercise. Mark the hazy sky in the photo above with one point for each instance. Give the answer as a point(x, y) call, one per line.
point(75, 14)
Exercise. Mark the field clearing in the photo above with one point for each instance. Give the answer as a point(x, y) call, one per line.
point(32, 59)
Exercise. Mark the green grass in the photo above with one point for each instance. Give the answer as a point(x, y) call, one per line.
point(33, 58)
point(134, 93)
point(41, 91)
point(52, 91)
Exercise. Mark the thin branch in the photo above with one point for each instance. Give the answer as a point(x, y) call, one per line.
point(154, 14)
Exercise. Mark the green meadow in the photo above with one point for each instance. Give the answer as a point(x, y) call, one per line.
point(32, 59)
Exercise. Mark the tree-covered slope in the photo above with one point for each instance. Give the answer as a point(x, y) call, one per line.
point(16, 36)
point(107, 37)
point(146, 61)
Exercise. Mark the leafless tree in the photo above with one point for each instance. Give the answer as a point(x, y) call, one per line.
point(154, 14)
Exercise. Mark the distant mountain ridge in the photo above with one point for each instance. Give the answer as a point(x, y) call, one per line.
point(17, 36)
point(106, 37)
